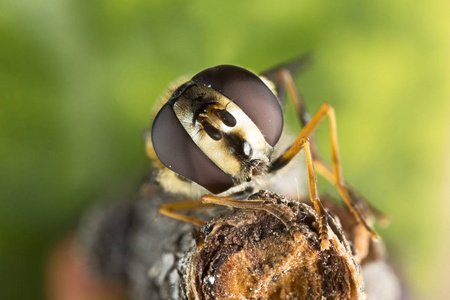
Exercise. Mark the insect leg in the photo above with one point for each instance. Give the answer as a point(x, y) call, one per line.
point(168, 209)
point(314, 194)
point(359, 201)
point(336, 175)
point(272, 209)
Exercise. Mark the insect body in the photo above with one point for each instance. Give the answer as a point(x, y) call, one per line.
point(216, 135)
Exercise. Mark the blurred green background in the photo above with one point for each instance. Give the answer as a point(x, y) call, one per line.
point(78, 79)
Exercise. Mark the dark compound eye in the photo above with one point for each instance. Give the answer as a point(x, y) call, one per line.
point(250, 93)
point(176, 150)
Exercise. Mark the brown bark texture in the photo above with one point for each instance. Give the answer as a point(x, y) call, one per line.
point(238, 254)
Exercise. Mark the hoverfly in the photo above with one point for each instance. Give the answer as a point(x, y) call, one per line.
point(216, 136)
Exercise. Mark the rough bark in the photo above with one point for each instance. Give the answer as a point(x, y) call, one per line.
point(239, 254)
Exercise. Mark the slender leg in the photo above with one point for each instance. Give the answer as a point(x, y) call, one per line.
point(294, 66)
point(272, 209)
point(307, 130)
point(285, 78)
point(364, 207)
point(168, 209)
point(285, 82)
point(314, 194)
point(335, 176)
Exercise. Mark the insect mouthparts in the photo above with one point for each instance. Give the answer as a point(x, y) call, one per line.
point(258, 167)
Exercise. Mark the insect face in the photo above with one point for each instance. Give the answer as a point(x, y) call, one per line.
point(222, 131)
point(219, 128)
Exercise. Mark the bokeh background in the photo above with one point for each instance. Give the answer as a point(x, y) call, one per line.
point(78, 80)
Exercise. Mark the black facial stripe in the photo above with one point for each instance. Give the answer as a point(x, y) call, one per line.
point(177, 151)
point(235, 144)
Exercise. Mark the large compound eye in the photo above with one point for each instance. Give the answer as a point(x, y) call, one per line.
point(250, 93)
point(176, 150)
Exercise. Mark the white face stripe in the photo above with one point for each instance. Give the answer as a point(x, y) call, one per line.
point(247, 148)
